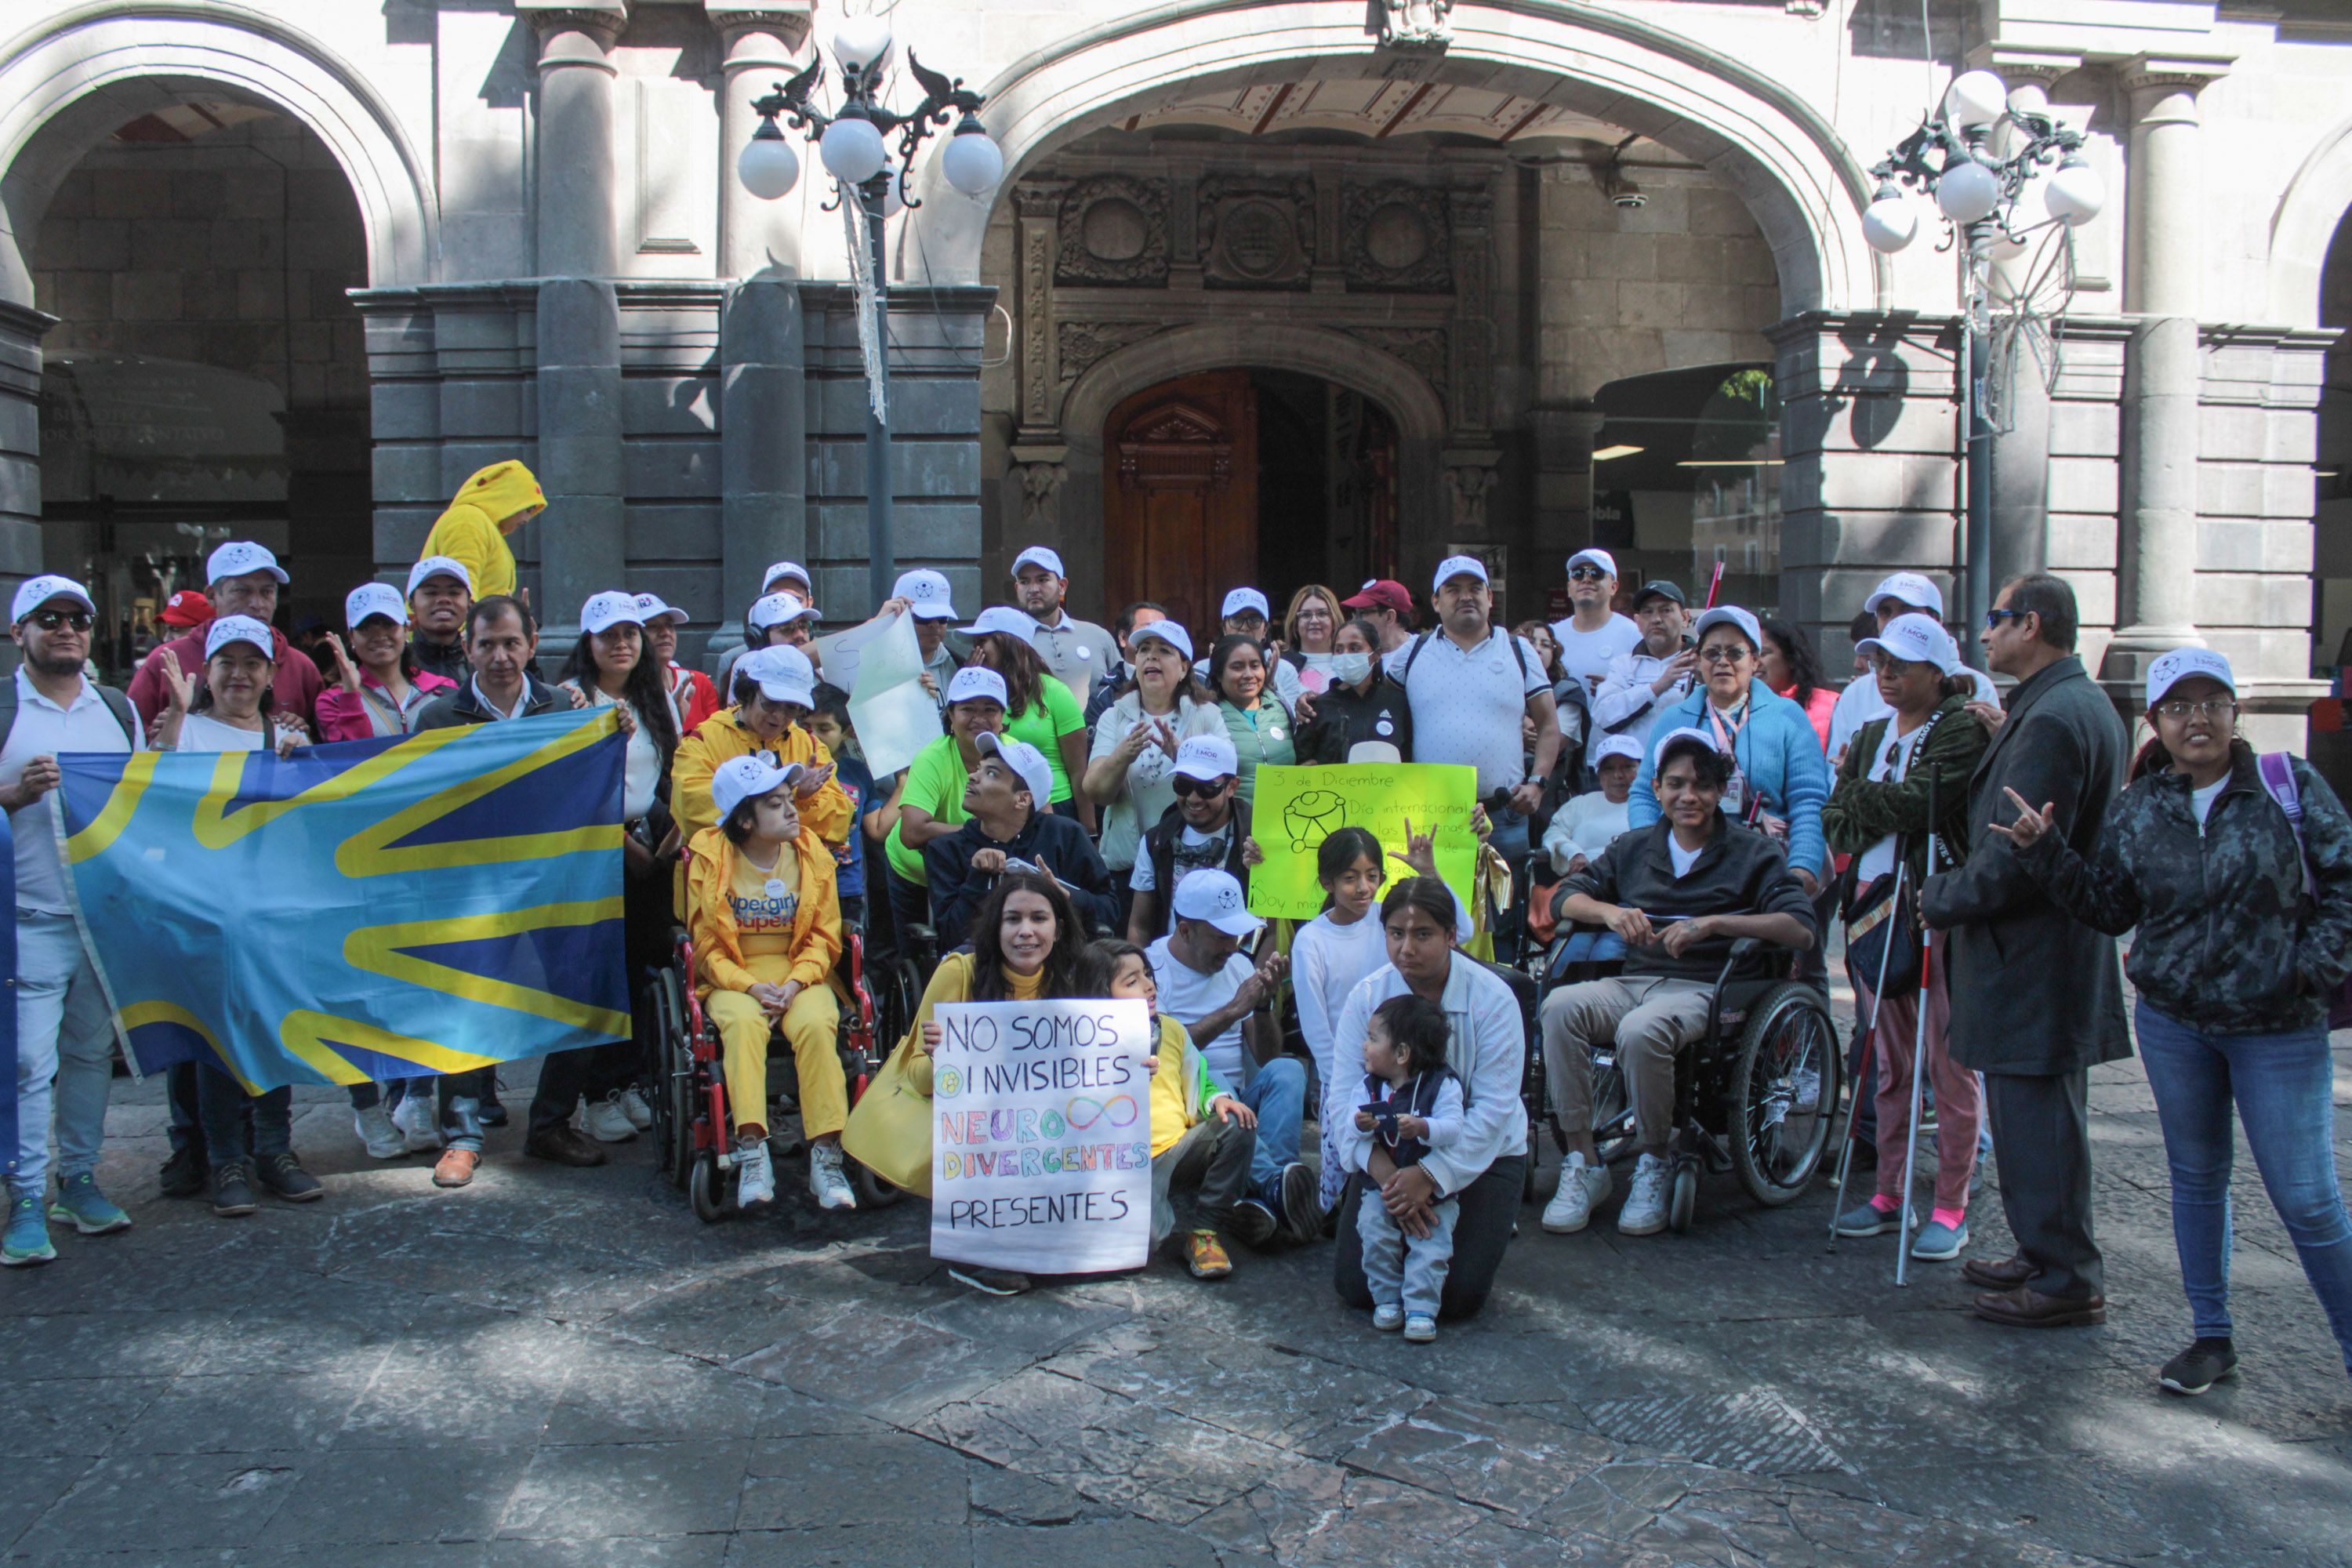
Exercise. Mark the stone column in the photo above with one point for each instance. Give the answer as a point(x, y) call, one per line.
point(763, 443)
point(579, 538)
point(757, 238)
point(21, 330)
point(2162, 264)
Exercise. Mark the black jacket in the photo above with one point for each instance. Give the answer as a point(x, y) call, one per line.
point(1159, 843)
point(447, 659)
point(453, 709)
point(1741, 872)
point(2227, 942)
point(2034, 991)
point(1057, 843)
point(1344, 716)
point(1862, 810)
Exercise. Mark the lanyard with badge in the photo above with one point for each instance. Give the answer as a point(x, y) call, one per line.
point(1736, 798)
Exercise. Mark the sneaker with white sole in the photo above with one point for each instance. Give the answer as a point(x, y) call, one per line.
point(1582, 1187)
point(633, 1106)
point(605, 1122)
point(1939, 1243)
point(1866, 1218)
point(418, 1117)
point(1644, 1213)
point(384, 1140)
point(755, 1173)
point(1420, 1328)
point(827, 1180)
point(1388, 1317)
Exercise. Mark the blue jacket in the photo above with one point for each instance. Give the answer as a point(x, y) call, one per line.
point(1779, 753)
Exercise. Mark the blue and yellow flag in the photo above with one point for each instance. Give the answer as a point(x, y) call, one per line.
point(427, 904)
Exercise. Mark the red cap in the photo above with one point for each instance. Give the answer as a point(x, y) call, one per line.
point(1381, 593)
point(186, 608)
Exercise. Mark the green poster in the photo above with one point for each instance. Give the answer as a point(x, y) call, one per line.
point(1297, 809)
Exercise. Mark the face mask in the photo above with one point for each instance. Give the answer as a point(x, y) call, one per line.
point(1352, 667)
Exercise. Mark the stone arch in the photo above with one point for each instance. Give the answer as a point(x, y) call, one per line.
point(2316, 201)
point(1805, 188)
point(78, 74)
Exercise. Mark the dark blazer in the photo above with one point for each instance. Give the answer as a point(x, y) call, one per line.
point(453, 710)
point(2034, 991)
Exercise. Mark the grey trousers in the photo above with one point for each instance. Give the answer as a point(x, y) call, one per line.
point(1216, 1154)
point(2042, 1135)
point(1649, 1018)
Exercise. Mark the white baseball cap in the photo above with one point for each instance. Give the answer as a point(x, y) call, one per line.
point(1036, 773)
point(240, 556)
point(932, 597)
point(1456, 566)
point(785, 569)
point(781, 609)
point(1916, 638)
point(1002, 618)
point(1168, 631)
point(975, 682)
point(1680, 733)
point(738, 779)
point(1242, 599)
point(1211, 895)
point(651, 609)
point(1907, 588)
point(374, 599)
point(1618, 746)
point(1731, 616)
point(1038, 555)
point(1601, 558)
point(609, 609)
point(439, 566)
point(2170, 669)
point(240, 629)
point(1207, 758)
point(783, 674)
point(35, 592)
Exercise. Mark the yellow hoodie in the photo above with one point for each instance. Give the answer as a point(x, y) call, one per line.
point(469, 531)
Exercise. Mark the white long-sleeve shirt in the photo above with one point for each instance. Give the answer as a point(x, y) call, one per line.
point(1328, 960)
point(1626, 696)
point(1486, 1047)
point(1584, 826)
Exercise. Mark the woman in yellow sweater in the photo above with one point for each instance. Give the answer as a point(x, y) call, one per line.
point(766, 924)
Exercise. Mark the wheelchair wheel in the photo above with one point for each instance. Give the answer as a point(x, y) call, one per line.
point(898, 992)
point(708, 1190)
point(1785, 1086)
point(873, 1192)
point(673, 1115)
point(1682, 1201)
point(1612, 1114)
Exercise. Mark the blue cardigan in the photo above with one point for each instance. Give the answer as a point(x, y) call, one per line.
point(1779, 753)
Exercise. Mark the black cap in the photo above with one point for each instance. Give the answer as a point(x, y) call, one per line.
point(1661, 588)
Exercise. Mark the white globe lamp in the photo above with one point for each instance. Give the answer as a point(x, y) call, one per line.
point(1891, 222)
point(768, 166)
point(971, 161)
point(852, 150)
point(2074, 194)
point(1967, 191)
point(1975, 98)
point(861, 43)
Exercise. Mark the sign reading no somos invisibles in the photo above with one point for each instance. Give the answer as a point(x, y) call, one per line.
point(1041, 1136)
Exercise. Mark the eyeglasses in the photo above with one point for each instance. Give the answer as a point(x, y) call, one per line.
point(1994, 617)
point(1886, 665)
point(1186, 786)
point(1586, 574)
point(1723, 653)
point(50, 620)
point(2181, 708)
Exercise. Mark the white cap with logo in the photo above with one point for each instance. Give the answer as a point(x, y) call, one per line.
point(1035, 772)
point(1617, 746)
point(781, 609)
point(1168, 631)
point(240, 629)
point(783, 674)
point(35, 592)
point(1907, 588)
point(1214, 896)
point(1207, 758)
point(1680, 733)
point(977, 683)
point(931, 596)
point(651, 609)
point(433, 566)
point(785, 569)
point(1458, 566)
point(1038, 555)
point(1731, 616)
point(1242, 599)
point(2170, 669)
point(1916, 638)
point(1601, 558)
point(1003, 618)
point(374, 599)
point(242, 557)
point(609, 609)
point(738, 779)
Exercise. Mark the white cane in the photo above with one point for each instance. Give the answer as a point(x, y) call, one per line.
point(1869, 1048)
point(1918, 1056)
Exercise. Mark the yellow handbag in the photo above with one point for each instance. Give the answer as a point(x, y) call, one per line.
point(889, 1128)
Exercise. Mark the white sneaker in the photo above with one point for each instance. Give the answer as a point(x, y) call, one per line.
point(1644, 1213)
point(634, 1107)
point(418, 1117)
point(605, 1122)
point(1582, 1187)
point(826, 1178)
point(374, 1127)
point(755, 1177)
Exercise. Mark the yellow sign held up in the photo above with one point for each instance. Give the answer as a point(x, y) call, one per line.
point(1297, 809)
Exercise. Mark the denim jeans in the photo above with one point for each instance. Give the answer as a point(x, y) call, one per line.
point(64, 1037)
point(1278, 1094)
point(221, 1102)
point(1593, 947)
point(2283, 1086)
point(1400, 1269)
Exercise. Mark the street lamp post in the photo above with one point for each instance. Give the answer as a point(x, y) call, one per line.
point(852, 144)
point(1949, 158)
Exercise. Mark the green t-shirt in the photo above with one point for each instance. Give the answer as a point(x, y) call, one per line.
point(935, 782)
point(1043, 725)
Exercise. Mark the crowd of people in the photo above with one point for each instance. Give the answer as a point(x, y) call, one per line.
point(1656, 782)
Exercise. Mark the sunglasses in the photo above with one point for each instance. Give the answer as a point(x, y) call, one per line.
point(1723, 653)
point(1587, 574)
point(50, 620)
point(1994, 617)
point(1186, 786)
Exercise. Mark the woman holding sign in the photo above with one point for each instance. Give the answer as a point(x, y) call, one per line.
point(1487, 1048)
point(1026, 944)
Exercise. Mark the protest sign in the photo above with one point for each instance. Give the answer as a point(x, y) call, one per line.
point(895, 716)
point(1297, 809)
point(1041, 1136)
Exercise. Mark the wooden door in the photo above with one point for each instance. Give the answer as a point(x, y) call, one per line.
point(1180, 510)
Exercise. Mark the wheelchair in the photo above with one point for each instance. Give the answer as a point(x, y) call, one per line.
point(692, 1129)
point(1758, 1094)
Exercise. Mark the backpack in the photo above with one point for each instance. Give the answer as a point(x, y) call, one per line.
point(116, 703)
point(1422, 641)
point(2278, 779)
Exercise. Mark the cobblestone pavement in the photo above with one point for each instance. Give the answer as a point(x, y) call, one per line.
point(556, 1366)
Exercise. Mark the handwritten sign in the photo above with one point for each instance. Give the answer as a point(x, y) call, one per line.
point(1041, 1136)
point(1297, 809)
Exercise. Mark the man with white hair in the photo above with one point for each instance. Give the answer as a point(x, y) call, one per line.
point(1074, 650)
